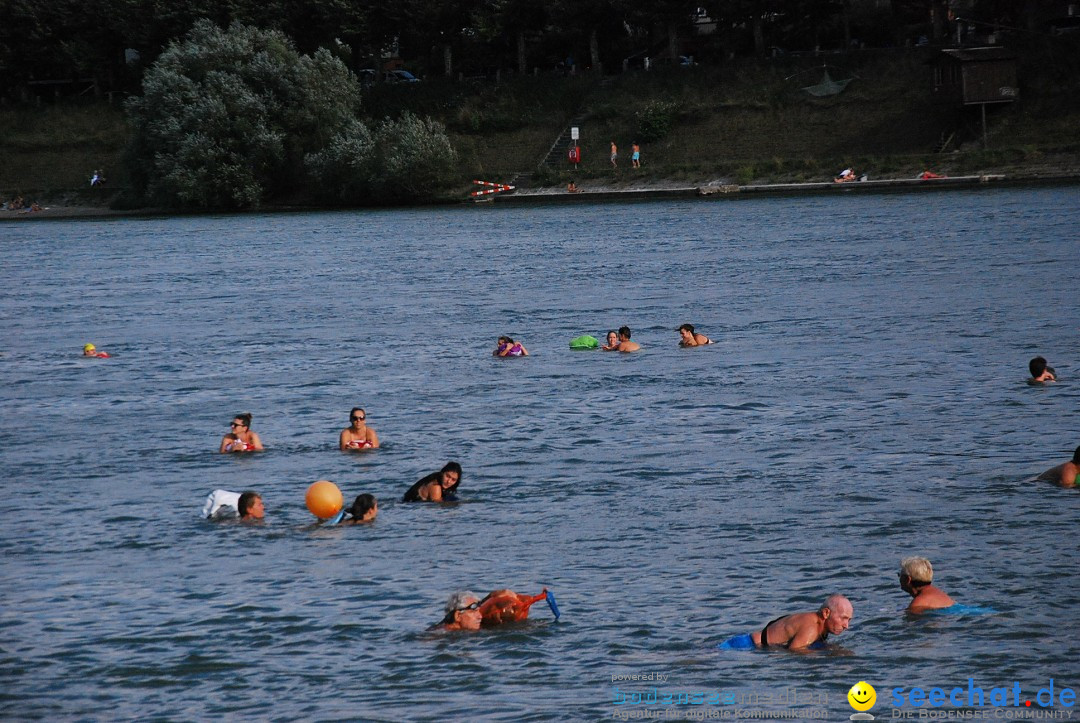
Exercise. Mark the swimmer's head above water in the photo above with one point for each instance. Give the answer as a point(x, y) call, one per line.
point(250, 506)
point(462, 612)
point(364, 508)
point(917, 570)
point(450, 476)
point(1040, 371)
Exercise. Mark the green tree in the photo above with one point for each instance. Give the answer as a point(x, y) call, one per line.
point(226, 117)
point(404, 160)
point(416, 158)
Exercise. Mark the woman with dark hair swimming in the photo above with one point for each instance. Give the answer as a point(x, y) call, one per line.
point(364, 508)
point(508, 347)
point(241, 438)
point(438, 486)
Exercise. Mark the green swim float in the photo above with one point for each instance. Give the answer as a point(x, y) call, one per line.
point(585, 342)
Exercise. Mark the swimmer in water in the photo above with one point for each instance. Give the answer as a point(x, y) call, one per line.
point(612, 342)
point(508, 347)
point(464, 611)
point(624, 340)
point(359, 435)
point(799, 631)
point(91, 350)
point(364, 509)
point(241, 438)
point(916, 574)
point(1064, 474)
point(250, 507)
point(1040, 372)
point(688, 337)
point(438, 486)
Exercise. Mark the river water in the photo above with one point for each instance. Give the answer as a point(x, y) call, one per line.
point(865, 400)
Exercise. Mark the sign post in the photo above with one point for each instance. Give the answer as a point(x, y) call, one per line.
point(575, 150)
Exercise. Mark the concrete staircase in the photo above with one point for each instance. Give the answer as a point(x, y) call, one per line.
point(555, 158)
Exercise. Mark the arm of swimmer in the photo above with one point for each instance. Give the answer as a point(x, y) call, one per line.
point(224, 443)
point(256, 442)
point(524, 351)
point(342, 442)
point(373, 438)
point(1068, 478)
point(435, 493)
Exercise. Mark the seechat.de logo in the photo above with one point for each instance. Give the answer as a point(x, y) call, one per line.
point(862, 697)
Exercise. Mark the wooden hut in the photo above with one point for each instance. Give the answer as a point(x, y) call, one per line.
point(973, 76)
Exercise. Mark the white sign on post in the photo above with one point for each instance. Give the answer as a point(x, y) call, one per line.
point(574, 134)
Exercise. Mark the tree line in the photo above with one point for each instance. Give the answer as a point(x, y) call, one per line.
point(114, 41)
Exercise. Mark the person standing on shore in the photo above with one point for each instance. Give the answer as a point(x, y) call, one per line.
point(614, 155)
point(636, 156)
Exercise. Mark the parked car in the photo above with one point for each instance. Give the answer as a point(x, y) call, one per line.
point(400, 76)
point(367, 77)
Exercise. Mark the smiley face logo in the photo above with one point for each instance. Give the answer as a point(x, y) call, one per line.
point(862, 696)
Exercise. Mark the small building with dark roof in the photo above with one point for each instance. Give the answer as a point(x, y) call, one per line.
point(975, 76)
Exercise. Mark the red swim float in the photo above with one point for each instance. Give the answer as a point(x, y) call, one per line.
point(507, 606)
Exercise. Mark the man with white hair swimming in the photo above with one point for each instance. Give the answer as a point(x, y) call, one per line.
point(916, 574)
point(799, 631)
point(462, 612)
point(465, 611)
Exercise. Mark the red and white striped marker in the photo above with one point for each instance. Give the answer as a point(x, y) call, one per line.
point(494, 188)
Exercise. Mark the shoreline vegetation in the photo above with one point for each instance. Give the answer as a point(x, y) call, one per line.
point(740, 128)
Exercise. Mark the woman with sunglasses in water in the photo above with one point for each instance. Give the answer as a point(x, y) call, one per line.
point(359, 435)
point(241, 438)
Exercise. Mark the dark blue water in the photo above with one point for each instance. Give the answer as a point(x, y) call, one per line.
point(865, 401)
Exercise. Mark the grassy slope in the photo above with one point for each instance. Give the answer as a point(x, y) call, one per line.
point(59, 147)
point(743, 122)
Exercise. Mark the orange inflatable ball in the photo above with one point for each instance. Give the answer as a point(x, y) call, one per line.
point(324, 499)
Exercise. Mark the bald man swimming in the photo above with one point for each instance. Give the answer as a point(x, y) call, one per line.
point(799, 631)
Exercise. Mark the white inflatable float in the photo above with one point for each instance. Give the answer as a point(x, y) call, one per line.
point(221, 505)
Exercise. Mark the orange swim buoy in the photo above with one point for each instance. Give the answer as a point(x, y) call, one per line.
point(324, 499)
point(507, 606)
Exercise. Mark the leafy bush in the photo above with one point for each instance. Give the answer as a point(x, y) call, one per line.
point(345, 169)
point(655, 119)
point(415, 157)
point(403, 160)
point(226, 116)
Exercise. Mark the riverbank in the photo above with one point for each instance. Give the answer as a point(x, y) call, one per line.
point(746, 124)
point(610, 192)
